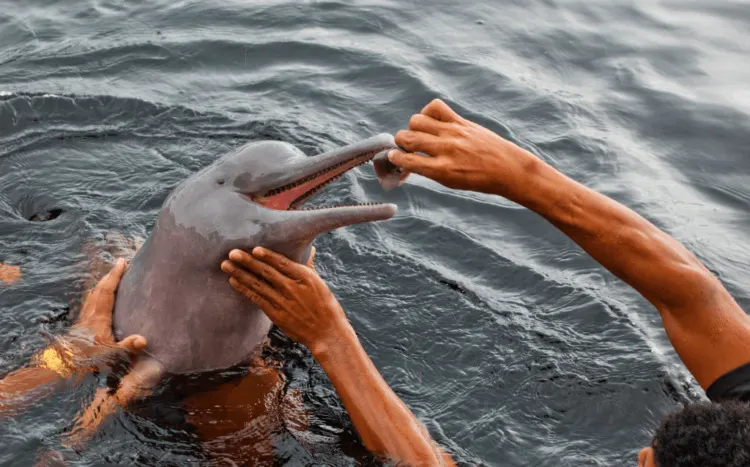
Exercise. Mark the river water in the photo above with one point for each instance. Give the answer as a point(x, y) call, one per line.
point(508, 342)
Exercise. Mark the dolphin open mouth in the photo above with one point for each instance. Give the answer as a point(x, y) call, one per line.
point(317, 172)
point(294, 194)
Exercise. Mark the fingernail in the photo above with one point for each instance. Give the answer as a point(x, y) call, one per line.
point(235, 255)
point(120, 261)
point(226, 266)
point(258, 251)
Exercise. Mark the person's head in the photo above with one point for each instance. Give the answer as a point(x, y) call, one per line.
point(701, 435)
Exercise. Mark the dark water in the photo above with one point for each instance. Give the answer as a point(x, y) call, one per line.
point(508, 342)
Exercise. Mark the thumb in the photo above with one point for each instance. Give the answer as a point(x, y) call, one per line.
point(109, 283)
point(410, 162)
point(311, 262)
point(133, 344)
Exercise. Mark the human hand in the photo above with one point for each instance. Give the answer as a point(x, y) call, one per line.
point(461, 154)
point(90, 343)
point(293, 296)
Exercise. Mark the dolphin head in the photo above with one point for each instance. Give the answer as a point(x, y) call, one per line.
point(255, 196)
point(174, 292)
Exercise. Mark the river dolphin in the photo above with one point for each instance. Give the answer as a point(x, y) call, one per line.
point(174, 292)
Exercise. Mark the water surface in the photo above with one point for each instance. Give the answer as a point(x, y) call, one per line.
point(507, 341)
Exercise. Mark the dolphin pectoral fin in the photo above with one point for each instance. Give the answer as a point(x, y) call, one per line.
point(389, 174)
point(144, 376)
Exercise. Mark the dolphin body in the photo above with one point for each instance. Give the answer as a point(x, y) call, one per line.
point(174, 292)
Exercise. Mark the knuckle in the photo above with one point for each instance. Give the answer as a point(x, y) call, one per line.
point(401, 137)
point(463, 145)
point(453, 143)
point(252, 296)
point(410, 140)
point(464, 131)
point(248, 280)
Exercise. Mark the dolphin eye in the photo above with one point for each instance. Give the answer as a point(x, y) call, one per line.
point(220, 181)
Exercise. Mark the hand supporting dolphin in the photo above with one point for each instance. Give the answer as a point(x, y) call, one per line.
point(175, 294)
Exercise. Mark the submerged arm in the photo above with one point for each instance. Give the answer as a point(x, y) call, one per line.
point(23, 387)
point(707, 328)
point(297, 300)
point(86, 346)
point(137, 384)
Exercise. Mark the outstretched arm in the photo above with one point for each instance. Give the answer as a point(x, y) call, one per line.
point(707, 328)
point(88, 345)
point(297, 300)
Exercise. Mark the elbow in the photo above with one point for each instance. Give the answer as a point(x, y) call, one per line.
point(691, 286)
point(666, 273)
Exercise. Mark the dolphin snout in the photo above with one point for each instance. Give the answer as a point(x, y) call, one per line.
point(301, 180)
point(306, 224)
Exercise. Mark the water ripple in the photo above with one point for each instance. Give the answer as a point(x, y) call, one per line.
point(507, 340)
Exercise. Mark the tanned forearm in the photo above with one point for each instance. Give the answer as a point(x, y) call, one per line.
point(23, 387)
point(629, 246)
point(706, 326)
point(385, 425)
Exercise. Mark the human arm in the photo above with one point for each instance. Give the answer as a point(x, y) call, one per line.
point(88, 345)
point(707, 328)
point(297, 300)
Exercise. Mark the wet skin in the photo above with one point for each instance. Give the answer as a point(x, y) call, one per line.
point(708, 329)
point(175, 295)
point(174, 292)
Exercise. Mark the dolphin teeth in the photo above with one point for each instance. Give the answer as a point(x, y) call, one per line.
point(358, 161)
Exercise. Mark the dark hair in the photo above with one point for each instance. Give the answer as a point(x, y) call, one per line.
point(705, 435)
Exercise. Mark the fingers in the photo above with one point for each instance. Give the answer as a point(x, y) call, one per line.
point(261, 269)
point(142, 379)
point(410, 162)
point(439, 110)
point(103, 296)
point(133, 344)
point(252, 282)
point(280, 262)
point(426, 124)
point(311, 262)
point(261, 302)
point(414, 141)
point(109, 283)
point(112, 355)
